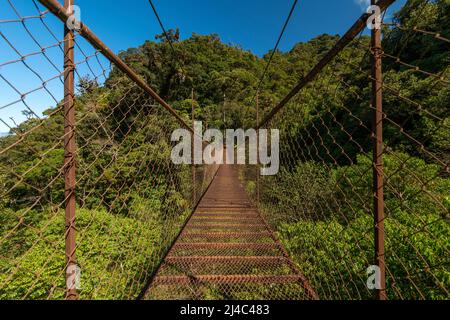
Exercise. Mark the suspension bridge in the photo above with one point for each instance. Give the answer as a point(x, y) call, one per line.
point(93, 208)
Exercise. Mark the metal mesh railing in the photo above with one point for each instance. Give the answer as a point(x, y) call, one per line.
point(228, 251)
point(109, 140)
point(92, 207)
point(350, 164)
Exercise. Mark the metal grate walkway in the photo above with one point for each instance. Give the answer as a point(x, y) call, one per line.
point(228, 251)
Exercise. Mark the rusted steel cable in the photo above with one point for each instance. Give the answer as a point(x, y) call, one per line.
point(275, 49)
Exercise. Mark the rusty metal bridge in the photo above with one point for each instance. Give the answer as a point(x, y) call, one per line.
point(88, 190)
point(228, 250)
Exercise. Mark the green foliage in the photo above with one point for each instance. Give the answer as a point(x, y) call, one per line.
point(299, 193)
point(326, 224)
point(412, 185)
point(335, 257)
point(133, 200)
point(422, 51)
point(114, 251)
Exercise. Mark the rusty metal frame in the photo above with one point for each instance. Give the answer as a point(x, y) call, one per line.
point(302, 279)
point(378, 171)
point(228, 279)
point(224, 245)
point(194, 178)
point(215, 259)
point(63, 13)
point(278, 255)
point(161, 264)
point(69, 158)
point(258, 167)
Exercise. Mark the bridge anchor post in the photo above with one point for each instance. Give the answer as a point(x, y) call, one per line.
point(257, 152)
point(194, 178)
point(69, 158)
point(378, 170)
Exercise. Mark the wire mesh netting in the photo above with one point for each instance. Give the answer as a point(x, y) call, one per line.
point(321, 202)
point(147, 228)
point(131, 200)
point(227, 251)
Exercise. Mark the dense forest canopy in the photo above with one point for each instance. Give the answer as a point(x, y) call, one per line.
point(121, 127)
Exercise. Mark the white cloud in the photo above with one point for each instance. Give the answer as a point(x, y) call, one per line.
point(363, 3)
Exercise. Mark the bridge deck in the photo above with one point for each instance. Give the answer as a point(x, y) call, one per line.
point(228, 251)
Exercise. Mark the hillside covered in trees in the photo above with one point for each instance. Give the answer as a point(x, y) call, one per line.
point(130, 227)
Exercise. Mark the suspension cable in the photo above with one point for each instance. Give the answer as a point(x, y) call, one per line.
point(280, 37)
point(162, 26)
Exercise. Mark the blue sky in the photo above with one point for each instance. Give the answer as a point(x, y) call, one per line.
point(252, 24)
